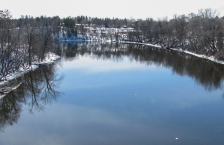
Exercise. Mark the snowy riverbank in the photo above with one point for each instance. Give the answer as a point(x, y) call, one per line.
point(5, 86)
point(210, 58)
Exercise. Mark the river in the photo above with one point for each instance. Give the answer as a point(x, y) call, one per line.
point(117, 94)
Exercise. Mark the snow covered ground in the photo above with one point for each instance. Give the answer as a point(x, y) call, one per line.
point(4, 88)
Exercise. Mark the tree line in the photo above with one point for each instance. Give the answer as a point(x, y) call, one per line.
point(201, 33)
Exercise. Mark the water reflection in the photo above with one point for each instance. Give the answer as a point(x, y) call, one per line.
point(204, 72)
point(119, 101)
point(37, 89)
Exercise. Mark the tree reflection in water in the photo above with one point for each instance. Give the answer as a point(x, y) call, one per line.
point(38, 88)
point(206, 73)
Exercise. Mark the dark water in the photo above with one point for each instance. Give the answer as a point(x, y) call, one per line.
point(117, 95)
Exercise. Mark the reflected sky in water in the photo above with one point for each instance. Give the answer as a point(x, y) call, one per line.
point(122, 102)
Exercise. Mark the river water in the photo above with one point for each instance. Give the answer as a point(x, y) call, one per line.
point(99, 94)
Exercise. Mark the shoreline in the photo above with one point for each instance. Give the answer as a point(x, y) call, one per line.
point(51, 57)
point(5, 89)
point(210, 58)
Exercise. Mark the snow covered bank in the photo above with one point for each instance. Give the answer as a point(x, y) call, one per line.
point(146, 44)
point(50, 58)
point(6, 87)
point(153, 45)
point(211, 58)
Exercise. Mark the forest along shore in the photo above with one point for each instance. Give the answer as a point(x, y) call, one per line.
point(25, 44)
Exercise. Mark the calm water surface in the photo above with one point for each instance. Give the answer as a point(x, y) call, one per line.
point(117, 95)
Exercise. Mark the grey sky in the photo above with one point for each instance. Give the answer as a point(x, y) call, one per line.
point(104, 8)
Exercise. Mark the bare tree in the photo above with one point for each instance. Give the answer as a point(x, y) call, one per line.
point(194, 36)
point(31, 37)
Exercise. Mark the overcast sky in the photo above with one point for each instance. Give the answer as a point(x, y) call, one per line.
point(109, 8)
